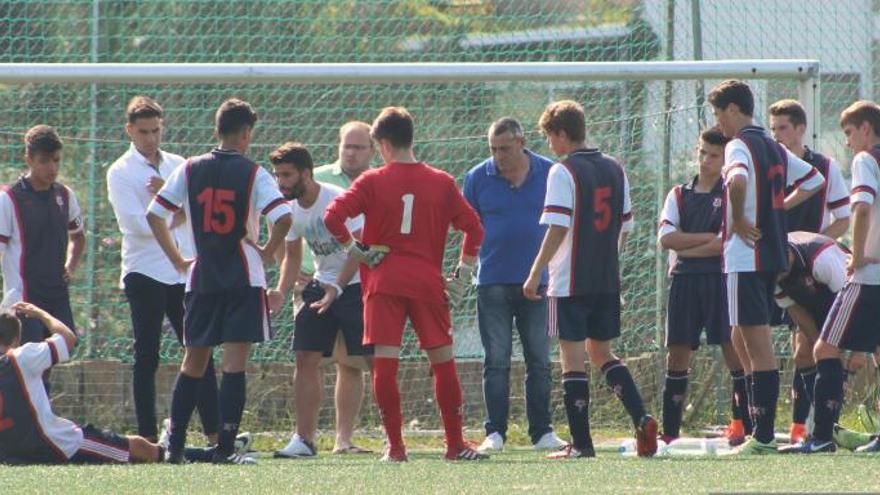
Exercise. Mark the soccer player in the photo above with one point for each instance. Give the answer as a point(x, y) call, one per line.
point(41, 234)
point(689, 226)
point(408, 207)
point(852, 323)
point(153, 287)
point(316, 331)
point(756, 172)
point(588, 214)
point(30, 433)
point(507, 191)
point(788, 124)
point(223, 194)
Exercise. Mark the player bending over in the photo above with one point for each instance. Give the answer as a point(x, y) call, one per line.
point(587, 209)
point(408, 206)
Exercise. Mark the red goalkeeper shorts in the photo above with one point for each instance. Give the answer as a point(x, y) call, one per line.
point(385, 317)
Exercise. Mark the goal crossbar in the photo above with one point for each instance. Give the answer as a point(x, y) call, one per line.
point(390, 73)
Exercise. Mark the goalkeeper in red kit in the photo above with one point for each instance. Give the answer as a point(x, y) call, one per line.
point(408, 207)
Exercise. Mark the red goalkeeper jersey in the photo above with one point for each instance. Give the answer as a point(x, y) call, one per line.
point(409, 208)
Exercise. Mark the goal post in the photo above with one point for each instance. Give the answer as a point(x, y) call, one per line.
point(629, 114)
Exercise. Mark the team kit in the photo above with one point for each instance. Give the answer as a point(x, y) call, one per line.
point(753, 242)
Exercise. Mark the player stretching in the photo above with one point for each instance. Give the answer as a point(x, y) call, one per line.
point(757, 170)
point(852, 323)
point(788, 124)
point(689, 226)
point(587, 211)
point(223, 193)
point(408, 206)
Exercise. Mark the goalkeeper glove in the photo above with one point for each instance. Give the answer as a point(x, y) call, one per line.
point(371, 255)
point(457, 285)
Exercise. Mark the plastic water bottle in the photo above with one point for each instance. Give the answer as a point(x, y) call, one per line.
point(11, 297)
point(698, 446)
point(628, 448)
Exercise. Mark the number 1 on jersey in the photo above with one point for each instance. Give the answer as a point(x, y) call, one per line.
point(406, 222)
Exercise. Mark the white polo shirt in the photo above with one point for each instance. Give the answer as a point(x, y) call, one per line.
point(127, 181)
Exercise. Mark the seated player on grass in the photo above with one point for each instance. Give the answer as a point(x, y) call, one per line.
point(30, 433)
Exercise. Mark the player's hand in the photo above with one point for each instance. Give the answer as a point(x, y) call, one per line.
point(275, 299)
point(855, 262)
point(29, 310)
point(371, 255)
point(182, 265)
point(67, 275)
point(155, 184)
point(530, 288)
point(457, 285)
point(746, 231)
point(267, 256)
point(330, 295)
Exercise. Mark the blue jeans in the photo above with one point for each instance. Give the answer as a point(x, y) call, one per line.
point(498, 306)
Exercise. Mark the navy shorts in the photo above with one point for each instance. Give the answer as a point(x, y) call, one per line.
point(235, 315)
point(101, 447)
point(316, 332)
point(33, 330)
point(750, 297)
point(591, 316)
point(854, 320)
point(697, 301)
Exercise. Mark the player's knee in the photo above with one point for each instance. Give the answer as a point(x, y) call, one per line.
point(146, 361)
point(824, 350)
point(678, 358)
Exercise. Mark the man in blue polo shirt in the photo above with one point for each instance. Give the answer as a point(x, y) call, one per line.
point(507, 191)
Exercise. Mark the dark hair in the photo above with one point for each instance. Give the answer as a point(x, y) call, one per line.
point(234, 116)
point(567, 116)
point(791, 109)
point(714, 136)
point(42, 138)
point(293, 153)
point(395, 125)
point(860, 112)
point(506, 124)
point(142, 107)
point(10, 328)
point(736, 92)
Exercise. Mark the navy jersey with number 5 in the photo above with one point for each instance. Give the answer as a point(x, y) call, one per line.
point(223, 194)
point(588, 193)
point(768, 168)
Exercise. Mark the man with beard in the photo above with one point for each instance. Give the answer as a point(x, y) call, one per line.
point(319, 320)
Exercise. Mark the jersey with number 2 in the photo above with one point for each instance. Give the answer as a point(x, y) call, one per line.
point(409, 207)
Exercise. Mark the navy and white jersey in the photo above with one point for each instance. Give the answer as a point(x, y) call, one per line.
point(687, 210)
point(865, 184)
point(223, 194)
point(588, 193)
point(28, 428)
point(768, 168)
point(816, 275)
point(814, 214)
point(34, 231)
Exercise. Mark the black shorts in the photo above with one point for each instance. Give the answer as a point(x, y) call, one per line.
point(101, 447)
point(235, 315)
point(33, 330)
point(316, 332)
point(697, 301)
point(577, 318)
point(854, 320)
point(750, 297)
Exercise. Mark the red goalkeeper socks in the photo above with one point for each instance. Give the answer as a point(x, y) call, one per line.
point(388, 399)
point(447, 390)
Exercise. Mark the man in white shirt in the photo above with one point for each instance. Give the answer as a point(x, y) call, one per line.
point(331, 305)
point(153, 287)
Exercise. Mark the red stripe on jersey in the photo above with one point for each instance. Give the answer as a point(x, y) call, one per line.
point(247, 213)
point(168, 205)
point(812, 173)
point(837, 204)
point(742, 165)
point(820, 251)
point(54, 350)
point(274, 204)
point(557, 209)
point(30, 403)
point(4, 239)
point(781, 295)
point(868, 189)
point(21, 237)
point(627, 216)
point(667, 222)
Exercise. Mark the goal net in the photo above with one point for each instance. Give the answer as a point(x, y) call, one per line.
point(647, 114)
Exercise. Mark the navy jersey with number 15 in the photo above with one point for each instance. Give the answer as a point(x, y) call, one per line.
point(223, 194)
point(588, 193)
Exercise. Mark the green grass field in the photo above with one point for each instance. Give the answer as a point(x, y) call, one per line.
point(517, 471)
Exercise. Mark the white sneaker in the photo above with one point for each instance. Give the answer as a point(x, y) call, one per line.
point(297, 447)
point(492, 442)
point(243, 442)
point(165, 434)
point(550, 441)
